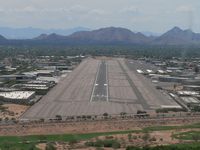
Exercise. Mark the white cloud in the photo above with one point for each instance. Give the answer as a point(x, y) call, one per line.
point(97, 12)
point(153, 15)
point(130, 10)
point(29, 9)
point(184, 8)
point(78, 9)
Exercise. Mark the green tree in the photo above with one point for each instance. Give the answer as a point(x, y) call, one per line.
point(146, 138)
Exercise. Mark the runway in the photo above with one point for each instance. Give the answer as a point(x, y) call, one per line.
point(99, 86)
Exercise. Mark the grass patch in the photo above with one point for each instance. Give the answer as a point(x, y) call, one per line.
point(190, 135)
point(190, 146)
point(61, 137)
point(23, 142)
point(17, 146)
point(163, 128)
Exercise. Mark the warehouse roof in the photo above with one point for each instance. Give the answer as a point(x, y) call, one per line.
point(187, 93)
point(38, 72)
point(171, 106)
point(17, 94)
point(190, 100)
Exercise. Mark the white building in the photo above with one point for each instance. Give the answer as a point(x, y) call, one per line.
point(19, 97)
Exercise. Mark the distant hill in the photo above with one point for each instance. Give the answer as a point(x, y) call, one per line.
point(177, 36)
point(52, 36)
point(29, 32)
point(110, 35)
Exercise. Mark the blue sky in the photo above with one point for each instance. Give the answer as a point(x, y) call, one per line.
point(137, 15)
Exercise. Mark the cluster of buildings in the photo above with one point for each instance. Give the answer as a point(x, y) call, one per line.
point(179, 78)
point(38, 76)
point(23, 89)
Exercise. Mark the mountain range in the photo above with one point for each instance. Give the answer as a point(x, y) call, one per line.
point(113, 35)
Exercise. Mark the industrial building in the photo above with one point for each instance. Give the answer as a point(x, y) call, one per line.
point(17, 97)
point(40, 89)
point(191, 87)
point(190, 101)
point(4, 89)
point(187, 93)
point(17, 77)
point(45, 73)
point(191, 82)
point(171, 79)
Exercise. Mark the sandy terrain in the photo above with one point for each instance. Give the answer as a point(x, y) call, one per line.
point(13, 111)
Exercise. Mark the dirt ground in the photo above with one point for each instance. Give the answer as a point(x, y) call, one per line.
point(89, 126)
point(13, 111)
point(160, 137)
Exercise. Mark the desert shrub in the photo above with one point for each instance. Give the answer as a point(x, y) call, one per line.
point(104, 143)
point(153, 139)
point(132, 148)
point(73, 141)
point(129, 136)
point(116, 145)
point(134, 137)
point(109, 137)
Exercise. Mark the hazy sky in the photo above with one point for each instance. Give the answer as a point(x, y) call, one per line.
point(137, 15)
